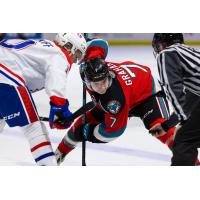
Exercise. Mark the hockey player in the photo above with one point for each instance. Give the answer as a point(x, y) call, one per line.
point(27, 66)
point(178, 66)
point(119, 90)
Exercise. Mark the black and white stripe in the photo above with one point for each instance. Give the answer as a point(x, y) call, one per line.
point(182, 63)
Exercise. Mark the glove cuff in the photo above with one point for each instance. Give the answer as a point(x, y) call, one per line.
point(57, 101)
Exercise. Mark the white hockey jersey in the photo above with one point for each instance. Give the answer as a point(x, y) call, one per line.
point(36, 64)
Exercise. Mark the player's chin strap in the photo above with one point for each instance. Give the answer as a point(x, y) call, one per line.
point(76, 114)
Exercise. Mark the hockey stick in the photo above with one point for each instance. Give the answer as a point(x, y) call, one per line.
point(76, 114)
point(83, 121)
point(84, 118)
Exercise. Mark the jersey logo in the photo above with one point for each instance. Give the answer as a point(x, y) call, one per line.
point(113, 106)
point(13, 115)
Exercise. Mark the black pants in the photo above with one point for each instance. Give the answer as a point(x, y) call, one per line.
point(187, 140)
point(151, 109)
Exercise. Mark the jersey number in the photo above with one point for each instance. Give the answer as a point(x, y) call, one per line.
point(18, 46)
point(128, 69)
point(113, 121)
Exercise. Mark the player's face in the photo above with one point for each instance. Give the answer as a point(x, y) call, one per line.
point(158, 48)
point(101, 86)
point(161, 47)
point(77, 56)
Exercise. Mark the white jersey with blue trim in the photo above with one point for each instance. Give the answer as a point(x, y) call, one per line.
point(36, 64)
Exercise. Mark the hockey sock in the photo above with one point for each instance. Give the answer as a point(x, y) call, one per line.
point(40, 145)
point(168, 138)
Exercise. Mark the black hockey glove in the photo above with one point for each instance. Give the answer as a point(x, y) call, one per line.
point(85, 133)
point(171, 122)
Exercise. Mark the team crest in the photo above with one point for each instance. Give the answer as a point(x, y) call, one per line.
point(113, 106)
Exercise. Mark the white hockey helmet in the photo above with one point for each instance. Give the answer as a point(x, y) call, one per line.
point(77, 41)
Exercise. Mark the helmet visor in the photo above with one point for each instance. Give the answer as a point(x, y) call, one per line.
point(96, 77)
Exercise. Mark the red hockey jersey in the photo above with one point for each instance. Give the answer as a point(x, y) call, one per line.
point(131, 85)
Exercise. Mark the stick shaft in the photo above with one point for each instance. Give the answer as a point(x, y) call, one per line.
point(76, 114)
point(84, 120)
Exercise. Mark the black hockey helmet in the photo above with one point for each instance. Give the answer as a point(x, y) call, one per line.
point(95, 69)
point(166, 39)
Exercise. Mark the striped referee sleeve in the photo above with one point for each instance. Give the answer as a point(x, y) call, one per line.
point(170, 70)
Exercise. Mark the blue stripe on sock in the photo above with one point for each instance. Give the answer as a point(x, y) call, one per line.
point(44, 156)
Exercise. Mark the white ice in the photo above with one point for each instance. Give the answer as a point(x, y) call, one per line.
point(134, 147)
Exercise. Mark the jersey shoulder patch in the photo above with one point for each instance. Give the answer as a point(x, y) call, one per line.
point(114, 106)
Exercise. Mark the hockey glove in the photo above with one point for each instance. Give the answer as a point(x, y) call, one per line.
point(157, 130)
point(58, 115)
point(85, 133)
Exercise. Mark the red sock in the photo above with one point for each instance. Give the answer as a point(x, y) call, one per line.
point(168, 138)
point(64, 148)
